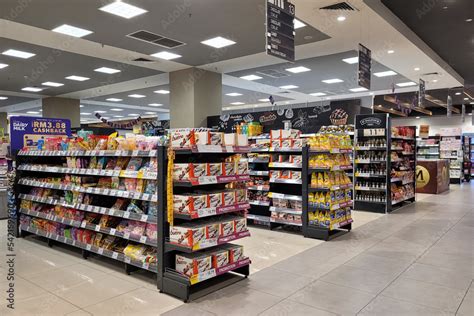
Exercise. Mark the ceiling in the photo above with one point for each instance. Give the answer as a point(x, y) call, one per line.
point(321, 46)
point(442, 25)
point(185, 21)
point(322, 68)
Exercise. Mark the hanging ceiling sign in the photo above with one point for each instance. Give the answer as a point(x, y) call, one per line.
point(127, 125)
point(281, 29)
point(421, 92)
point(365, 66)
point(449, 103)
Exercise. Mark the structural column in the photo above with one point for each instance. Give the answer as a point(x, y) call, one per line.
point(4, 122)
point(195, 94)
point(63, 108)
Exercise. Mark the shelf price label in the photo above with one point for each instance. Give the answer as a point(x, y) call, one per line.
point(115, 255)
point(143, 239)
point(203, 276)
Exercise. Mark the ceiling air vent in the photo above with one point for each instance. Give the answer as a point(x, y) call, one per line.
point(155, 39)
point(143, 60)
point(339, 6)
point(272, 73)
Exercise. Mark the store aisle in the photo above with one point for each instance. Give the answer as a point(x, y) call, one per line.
point(417, 261)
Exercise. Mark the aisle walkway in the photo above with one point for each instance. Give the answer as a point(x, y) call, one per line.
point(416, 261)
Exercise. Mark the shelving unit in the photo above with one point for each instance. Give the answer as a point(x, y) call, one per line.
point(34, 188)
point(451, 148)
point(258, 192)
point(383, 164)
point(428, 148)
point(202, 282)
point(471, 155)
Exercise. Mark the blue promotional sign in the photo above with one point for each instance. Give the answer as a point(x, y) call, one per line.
point(27, 131)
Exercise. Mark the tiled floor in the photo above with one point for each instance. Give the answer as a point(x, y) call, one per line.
point(416, 261)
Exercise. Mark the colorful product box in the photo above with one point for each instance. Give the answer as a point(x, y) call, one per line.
point(182, 139)
point(188, 235)
point(229, 168)
point(240, 225)
point(193, 263)
point(214, 169)
point(236, 252)
point(228, 198)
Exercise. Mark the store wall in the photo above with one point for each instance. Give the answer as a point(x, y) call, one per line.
point(436, 123)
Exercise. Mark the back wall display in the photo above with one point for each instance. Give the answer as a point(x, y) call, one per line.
point(307, 119)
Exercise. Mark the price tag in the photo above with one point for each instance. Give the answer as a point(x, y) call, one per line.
point(126, 215)
point(100, 251)
point(135, 153)
point(111, 212)
point(144, 218)
point(88, 247)
point(145, 266)
point(97, 228)
point(90, 208)
point(127, 259)
point(207, 212)
point(62, 220)
point(96, 172)
point(102, 153)
point(120, 193)
point(113, 231)
point(73, 242)
point(107, 191)
point(207, 180)
point(146, 196)
point(102, 210)
point(57, 237)
point(126, 235)
point(152, 153)
point(83, 224)
point(137, 195)
point(143, 239)
point(89, 190)
point(115, 255)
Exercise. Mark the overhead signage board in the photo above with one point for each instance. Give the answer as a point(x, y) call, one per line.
point(365, 66)
point(421, 92)
point(32, 132)
point(449, 107)
point(424, 131)
point(366, 121)
point(280, 29)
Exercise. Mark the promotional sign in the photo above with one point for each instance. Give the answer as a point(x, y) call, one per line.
point(421, 92)
point(280, 29)
point(306, 119)
point(424, 131)
point(27, 131)
point(365, 121)
point(432, 176)
point(365, 66)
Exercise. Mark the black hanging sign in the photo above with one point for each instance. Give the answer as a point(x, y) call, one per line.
point(280, 29)
point(127, 125)
point(365, 66)
point(421, 92)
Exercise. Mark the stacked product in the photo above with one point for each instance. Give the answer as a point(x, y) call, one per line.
point(428, 148)
point(403, 163)
point(208, 198)
point(451, 148)
point(329, 200)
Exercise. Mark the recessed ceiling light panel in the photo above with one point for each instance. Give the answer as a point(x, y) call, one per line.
point(299, 69)
point(263, 100)
point(32, 89)
point(406, 84)
point(360, 89)
point(330, 81)
point(137, 96)
point(351, 60)
point(3, 66)
point(116, 110)
point(233, 94)
point(155, 104)
point(123, 9)
point(385, 73)
point(251, 77)
point(18, 53)
point(317, 94)
point(162, 91)
point(52, 84)
point(72, 30)
point(114, 99)
point(107, 70)
point(237, 103)
point(77, 78)
point(166, 55)
point(33, 112)
point(218, 42)
point(290, 86)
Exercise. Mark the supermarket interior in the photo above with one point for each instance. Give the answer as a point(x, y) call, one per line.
point(275, 157)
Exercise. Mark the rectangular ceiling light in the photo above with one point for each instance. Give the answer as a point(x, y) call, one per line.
point(72, 30)
point(251, 77)
point(113, 100)
point(32, 89)
point(297, 70)
point(77, 78)
point(116, 110)
point(162, 91)
point(3, 65)
point(233, 94)
point(218, 42)
point(100, 112)
point(406, 84)
point(385, 73)
point(237, 103)
point(351, 60)
point(33, 112)
point(264, 100)
point(290, 86)
point(86, 113)
point(329, 81)
point(52, 84)
point(155, 104)
point(137, 96)
point(298, 24)
point(107, 70)
point(360, 89)
point(317, 94)
point(166, 55)
point(3, 98)
point(123, 9)
point(18, 53)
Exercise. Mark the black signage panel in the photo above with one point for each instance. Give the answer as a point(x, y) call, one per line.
point(280, 32)
point(371, 121)
point(421, 92)
point(365, 66)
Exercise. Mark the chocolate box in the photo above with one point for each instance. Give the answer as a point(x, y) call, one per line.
point(220, 258)
point(236, 252)
point(229, 168)
point(183, 204)
point(242, 167)
point(193, 263)
point(199, 170)
point(201, 138)
point(228, 198)
point(182, 139)
point(240, 224)
point(227, 227)
point(215, 138)
point(182, 171)
point(200, 201)
point(214, 199)
point(214, 169)
point(188, 235)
